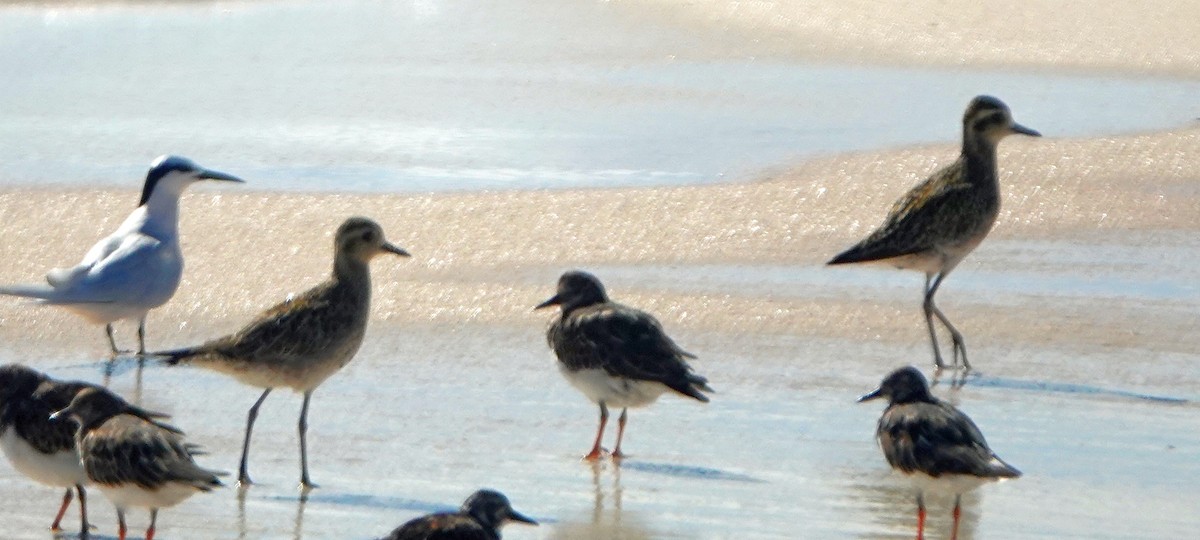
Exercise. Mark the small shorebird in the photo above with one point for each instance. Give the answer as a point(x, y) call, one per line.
point(936, 224)
point(304, 340)
point(135, 269)
point(616, 355)
point(480, 518)
point(132, 458)
point(932, 443)
point(37, 447)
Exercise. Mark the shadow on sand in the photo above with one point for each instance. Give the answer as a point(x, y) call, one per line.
point(686, 471)
point(1067, 388)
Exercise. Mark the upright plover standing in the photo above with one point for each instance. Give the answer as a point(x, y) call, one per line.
point(132, 458)
point(40, 448)
point(936, 224)
point(616, 355)
point(301, 342)
point(932, 443)
point(135, 269)
point(480, 518)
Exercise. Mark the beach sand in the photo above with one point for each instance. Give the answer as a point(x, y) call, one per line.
point(1080, 313)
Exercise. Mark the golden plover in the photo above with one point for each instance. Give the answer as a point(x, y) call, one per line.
point(135, 269)
point(304, 340)
point(936, 224)
point(480, 518)
point(932, 443)
point(614, 354)
point(132, 458)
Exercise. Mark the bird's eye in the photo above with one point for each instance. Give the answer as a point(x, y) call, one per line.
point(368, 236)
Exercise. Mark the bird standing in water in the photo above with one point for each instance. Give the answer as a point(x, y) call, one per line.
point(135, 269)
point(935, 445)
point(304, 340)
point(616, 355)
point(936, 224)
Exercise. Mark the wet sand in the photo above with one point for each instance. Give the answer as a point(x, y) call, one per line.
point(1079, 312)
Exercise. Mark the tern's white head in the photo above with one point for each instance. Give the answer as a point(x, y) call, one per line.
point(170, 175)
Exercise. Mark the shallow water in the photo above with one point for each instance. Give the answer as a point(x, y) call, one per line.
point(386, 97)
point(425, 415)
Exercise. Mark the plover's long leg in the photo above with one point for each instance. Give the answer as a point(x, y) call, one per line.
point(243, 476)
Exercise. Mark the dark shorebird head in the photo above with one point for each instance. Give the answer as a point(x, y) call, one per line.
point(18, 381)
point(170, 175)
point(988, 119)
point(93, 405)
point(492, 509)
point(905, 385)
point(576, 289)
point(362, 239)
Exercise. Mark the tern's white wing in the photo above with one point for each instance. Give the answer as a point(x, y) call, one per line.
point(64, 278)
point(140, 271)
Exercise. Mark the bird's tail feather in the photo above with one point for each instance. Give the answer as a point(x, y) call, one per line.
point(177, 356)
point(694, 387)
point(40, 292)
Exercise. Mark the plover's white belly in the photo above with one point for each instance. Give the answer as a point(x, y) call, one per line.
point(297, 375)
point(127, 495)
point(62, 469)
point(599, 386)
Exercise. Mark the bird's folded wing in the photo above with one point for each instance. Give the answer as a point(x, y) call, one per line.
point(128, 450)
point(904, 230)
point(64, 278)
point(941, 439)
point(126, 273)
point(632, 343)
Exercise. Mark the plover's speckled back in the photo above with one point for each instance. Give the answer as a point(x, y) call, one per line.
point(932, 443)
point(304, 340)
point(38, 447)
point(616, 355)
point(135, 269)
point(480, 518)
point(936, 224)
point(132, 458)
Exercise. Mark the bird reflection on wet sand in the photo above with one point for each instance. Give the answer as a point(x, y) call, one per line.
point(888, 502)
point(608, 518)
